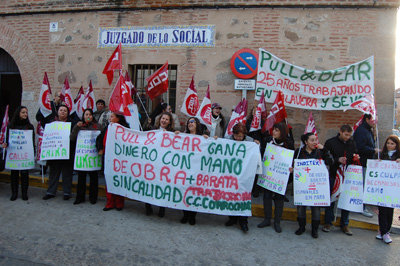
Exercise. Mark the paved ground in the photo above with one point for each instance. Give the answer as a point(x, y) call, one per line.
point(56, 232)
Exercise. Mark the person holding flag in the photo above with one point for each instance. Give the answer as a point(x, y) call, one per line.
point(20, 121)
point(344, 152)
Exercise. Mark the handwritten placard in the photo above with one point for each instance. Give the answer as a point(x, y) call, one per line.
point(87, 157)
point(311, 183)
point(382, 183)
point(181, 171)
point(351, 195)
point(276, 164)
point(20, 153)
point(55, 144)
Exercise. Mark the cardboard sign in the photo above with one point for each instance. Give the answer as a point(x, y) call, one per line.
point(311, 183)
point(382, 184)
point(87, 157)
point(276, 164)
point(55, 144)
point(351, 194)
point(20, 153)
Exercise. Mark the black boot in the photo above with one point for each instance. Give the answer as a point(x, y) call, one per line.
point(278, 215)
point(185, 217)
point(149, 209)
point(302, 226)
point(24, 185)
point(161, 212)
point(267, 212)
point(314, 228)
point(14, 186)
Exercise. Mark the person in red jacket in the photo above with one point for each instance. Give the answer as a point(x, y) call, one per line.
point(113, 200)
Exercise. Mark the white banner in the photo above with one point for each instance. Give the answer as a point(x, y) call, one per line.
point(158, 36)
point(382, 184)
point(87, 157)
point(55, 144)
point(303, 88)
point(181, 171)
point(311, 183)
point(351, 191)
point(276, 164)
point(20, 153)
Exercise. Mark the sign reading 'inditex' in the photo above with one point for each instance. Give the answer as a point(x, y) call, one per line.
point(158, 36)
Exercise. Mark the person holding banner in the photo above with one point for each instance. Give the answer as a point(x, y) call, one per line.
point(311, 150)
point(58, 167)
point(20, 121)
point(113, 200)
point(240, 134)
point(167, 108)
point(88, 123)
point(193, 126)
point(166, 122)
point(390, 151)
point(343, 150)
point(279, 138)
point(365, 142)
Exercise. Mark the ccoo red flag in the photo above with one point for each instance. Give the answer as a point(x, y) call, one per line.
point(276, 114)
point(113, 63)
point(157, 83)
point(120, 98)
point(4, 126)
point(190, 104)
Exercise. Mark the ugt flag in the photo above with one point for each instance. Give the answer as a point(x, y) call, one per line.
point(89, 100)
point(276, 114)
point(66, 95)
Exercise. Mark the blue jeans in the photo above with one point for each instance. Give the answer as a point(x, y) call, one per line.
point(330, 216)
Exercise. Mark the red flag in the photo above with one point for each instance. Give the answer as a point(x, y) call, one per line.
point(113, 63)
point(204, 112)
point(310, 127)
point(190, 104)
point(339, 178)
point(256, 123)
point(157, 83)
point(130, 85)
point(66, 95)
point(276, 114)
point(238, 116)
point(120, 98)
point(359, 122)
point(4, 127)
point(89, 100)
point(366, 105)
point(44, 98)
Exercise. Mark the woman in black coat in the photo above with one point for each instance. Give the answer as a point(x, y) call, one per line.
point(20, 120)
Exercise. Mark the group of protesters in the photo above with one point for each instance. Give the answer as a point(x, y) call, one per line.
point(343, 149)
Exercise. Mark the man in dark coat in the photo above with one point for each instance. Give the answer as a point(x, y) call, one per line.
point(344, 152)
point(365, 142)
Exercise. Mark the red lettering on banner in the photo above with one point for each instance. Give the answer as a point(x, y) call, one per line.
point(128, 137)
point(119, 166)
point(149, 169)
point(181, 175)
point(139, 167)
point(164, 173)
point(187, 145)
point(217, 182)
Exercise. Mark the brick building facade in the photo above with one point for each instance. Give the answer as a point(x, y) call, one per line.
point(316, 34)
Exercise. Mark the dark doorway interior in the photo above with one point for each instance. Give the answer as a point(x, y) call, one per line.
point(10, 84)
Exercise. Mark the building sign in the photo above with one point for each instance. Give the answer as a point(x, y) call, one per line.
point(304, 88)
point(245, 84)
point(157, 36)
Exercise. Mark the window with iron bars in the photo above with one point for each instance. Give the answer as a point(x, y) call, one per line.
point(139, 73)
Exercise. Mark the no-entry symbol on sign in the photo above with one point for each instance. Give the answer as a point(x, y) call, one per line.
point(244, 63)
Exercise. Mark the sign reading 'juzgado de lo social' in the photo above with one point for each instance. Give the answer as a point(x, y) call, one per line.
point(312, 89)
point(311, 183)
point(158, 36)
point(181, 171)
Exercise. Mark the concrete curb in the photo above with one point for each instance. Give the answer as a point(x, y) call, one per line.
point(289, 214)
